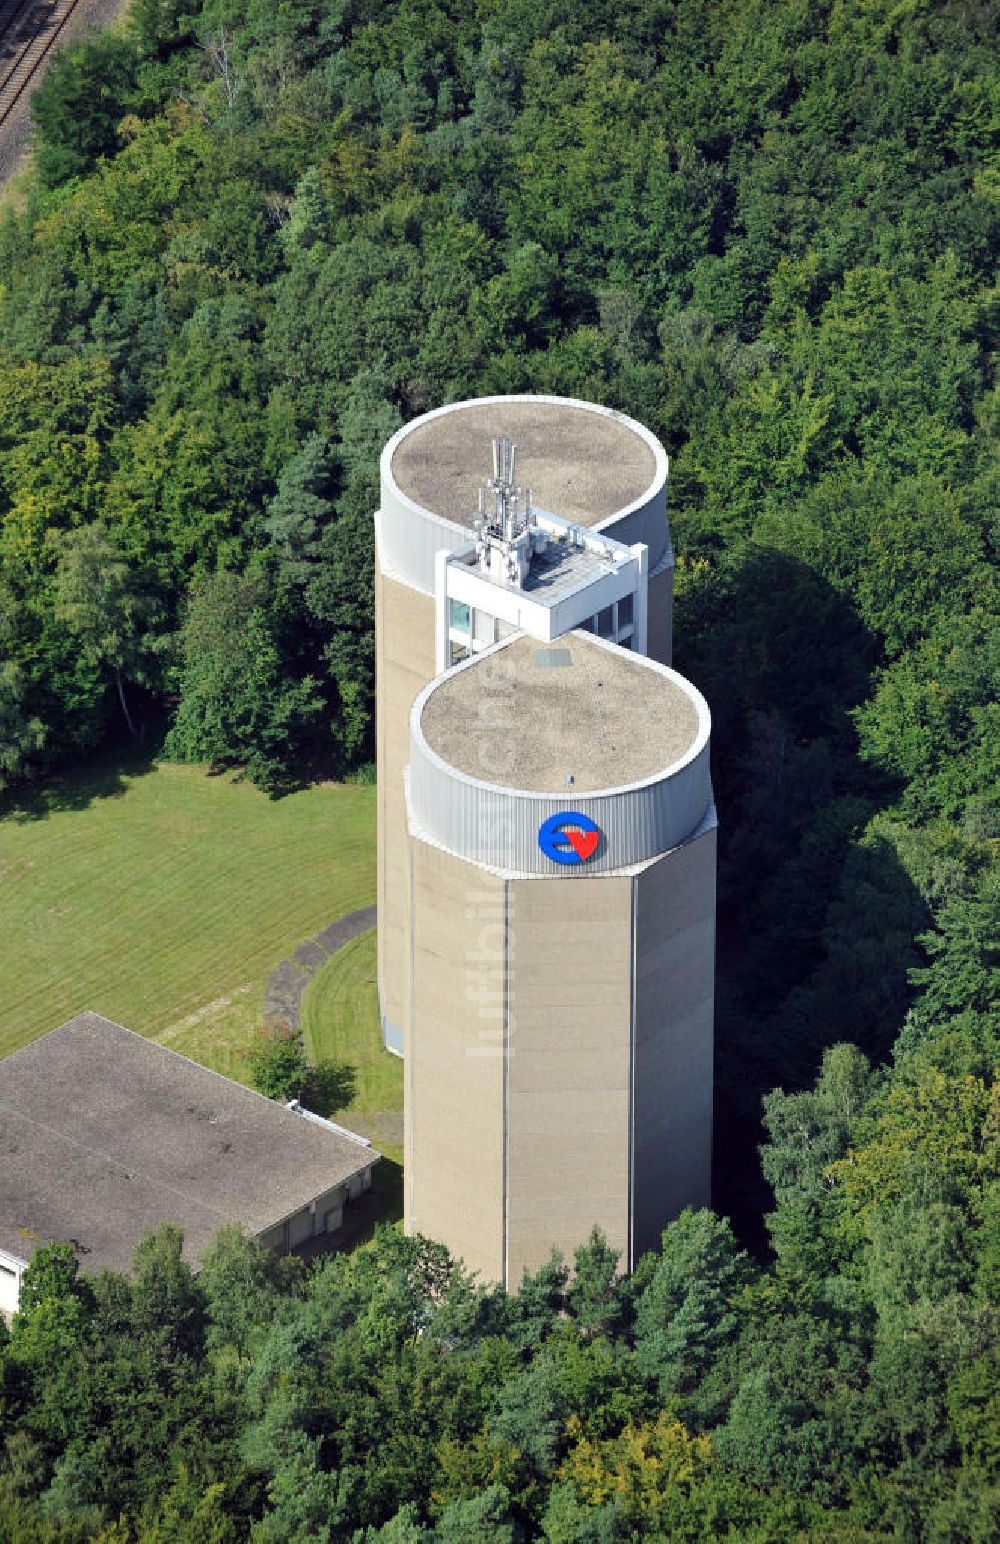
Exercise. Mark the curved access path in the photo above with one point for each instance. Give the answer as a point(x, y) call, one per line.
point(286, 983)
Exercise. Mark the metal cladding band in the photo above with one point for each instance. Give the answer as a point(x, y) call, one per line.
point(411, 534)
point(408, 546)
point(498, 827)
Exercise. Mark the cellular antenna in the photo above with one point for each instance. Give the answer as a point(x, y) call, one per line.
point(503, 539)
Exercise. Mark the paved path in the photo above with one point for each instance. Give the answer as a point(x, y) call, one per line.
point(286, 984)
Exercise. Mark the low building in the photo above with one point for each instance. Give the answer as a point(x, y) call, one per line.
point(104, 1134)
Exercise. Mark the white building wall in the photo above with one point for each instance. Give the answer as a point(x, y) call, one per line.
point(11, 1270)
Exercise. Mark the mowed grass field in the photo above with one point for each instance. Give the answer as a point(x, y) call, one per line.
point(340, 1022)
point(162, 897)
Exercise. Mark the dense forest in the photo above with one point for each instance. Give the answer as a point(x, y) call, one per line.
point(257, 238)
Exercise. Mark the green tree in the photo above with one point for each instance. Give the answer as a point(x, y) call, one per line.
point(108, 605)
point(688, 1312)
point(242, 1286)
point(239, 705)
point(53, 1275)
point(806, 1133)
point(597, 1293)
point(168, 1305)
point(22, 733)
point(160, 27)
point(77, 108)
point(279, 1067)
point(305, 1499)
point(301, 510)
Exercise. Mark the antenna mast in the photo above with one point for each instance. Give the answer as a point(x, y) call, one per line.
point(503, 538)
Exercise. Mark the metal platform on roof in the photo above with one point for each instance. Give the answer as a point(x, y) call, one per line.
point(563, 569)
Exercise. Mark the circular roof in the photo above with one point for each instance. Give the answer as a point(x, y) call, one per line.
point(583, 462)
point(574, 718)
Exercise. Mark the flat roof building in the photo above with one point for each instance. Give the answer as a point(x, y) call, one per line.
point(104, 1134)
point(546, 835)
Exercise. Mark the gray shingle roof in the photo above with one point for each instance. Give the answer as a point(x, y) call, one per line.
point(104, 1134)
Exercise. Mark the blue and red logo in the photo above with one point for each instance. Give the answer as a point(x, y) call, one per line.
point(568, 837)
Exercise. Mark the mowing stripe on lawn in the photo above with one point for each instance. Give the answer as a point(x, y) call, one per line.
point(155, 895)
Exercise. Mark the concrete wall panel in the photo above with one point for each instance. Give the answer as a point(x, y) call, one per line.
point(568, 1071)
point(404, 663)
point(660, 616)
point(453, 1120)
point(300, 1227)
point(674, 1022)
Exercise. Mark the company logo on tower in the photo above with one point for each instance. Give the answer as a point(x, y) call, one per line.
point(568, 837)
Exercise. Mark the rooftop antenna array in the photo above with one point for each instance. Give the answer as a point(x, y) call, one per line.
point(504, 508)
point(503, 539)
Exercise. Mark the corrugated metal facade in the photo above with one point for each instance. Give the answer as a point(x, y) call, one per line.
point(409, 540)
point(498, 827)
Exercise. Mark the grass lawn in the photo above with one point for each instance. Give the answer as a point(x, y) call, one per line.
point(341, 1026)
point(162, 897)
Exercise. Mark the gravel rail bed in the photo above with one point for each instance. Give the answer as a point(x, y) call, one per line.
point(15, 133)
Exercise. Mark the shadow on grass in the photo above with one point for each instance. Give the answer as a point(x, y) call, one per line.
point(104, 778)
point(331, 1086)
point(387, 1190)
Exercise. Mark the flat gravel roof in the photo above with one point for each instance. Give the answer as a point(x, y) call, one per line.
point(601, 715)
point(580, 464)
point(104, 1134)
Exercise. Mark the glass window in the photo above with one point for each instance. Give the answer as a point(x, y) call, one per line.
point(606, 622)
point(625, 612)
point(460, 616)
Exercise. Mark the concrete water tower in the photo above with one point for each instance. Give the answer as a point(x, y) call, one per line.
point(546, 863)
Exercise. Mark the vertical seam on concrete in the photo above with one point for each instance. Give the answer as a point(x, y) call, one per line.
point(504, 1218)
point(630, 1257)
point(409, 1060)
point(381, 779)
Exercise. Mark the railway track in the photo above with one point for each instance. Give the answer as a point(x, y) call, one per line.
point(28, 31)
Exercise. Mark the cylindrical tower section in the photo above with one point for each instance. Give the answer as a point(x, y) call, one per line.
point(584, 463)
point(627, 712)
point(560, 946)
